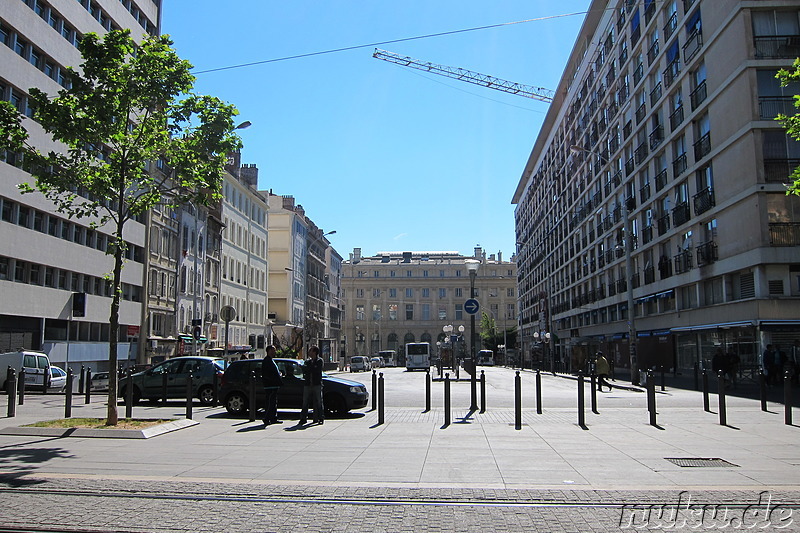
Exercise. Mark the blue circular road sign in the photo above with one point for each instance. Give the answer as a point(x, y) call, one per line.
point(472, 306)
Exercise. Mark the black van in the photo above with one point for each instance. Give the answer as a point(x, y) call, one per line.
point(338, 395)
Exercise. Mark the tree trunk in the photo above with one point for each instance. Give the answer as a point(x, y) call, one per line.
point(112, 416)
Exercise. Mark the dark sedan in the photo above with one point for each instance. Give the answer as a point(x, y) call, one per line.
point(338, 395)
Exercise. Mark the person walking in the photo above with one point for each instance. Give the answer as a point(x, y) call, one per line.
point(602, 368)
point(312, 387)
point(271, 380)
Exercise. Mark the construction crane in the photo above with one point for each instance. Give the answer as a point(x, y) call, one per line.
point(536, 93)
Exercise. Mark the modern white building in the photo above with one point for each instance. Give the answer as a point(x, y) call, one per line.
point(46, 258)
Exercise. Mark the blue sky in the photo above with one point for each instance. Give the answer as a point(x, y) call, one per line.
point(390, 158)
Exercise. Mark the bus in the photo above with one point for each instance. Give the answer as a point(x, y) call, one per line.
point(486, 358)
point(389, 357)
point(418, 355)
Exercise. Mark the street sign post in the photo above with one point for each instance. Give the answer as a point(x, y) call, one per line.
point(472, 306)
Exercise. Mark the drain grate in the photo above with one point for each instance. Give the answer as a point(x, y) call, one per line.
point(699, 462)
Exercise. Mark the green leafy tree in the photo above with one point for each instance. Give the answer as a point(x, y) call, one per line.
point(126, 107)
point(791, 123)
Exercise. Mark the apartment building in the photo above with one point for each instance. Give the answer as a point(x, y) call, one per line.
point(652, 207)
point(46, 258)
point(393, 298)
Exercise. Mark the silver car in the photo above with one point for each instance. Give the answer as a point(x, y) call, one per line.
point(99, 382)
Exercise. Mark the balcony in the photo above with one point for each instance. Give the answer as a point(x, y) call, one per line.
point(778, 170)
point(649, 275)
point(641, 153)
point(644, 193)
point(702, 147)
point(698, 95)
point(641, 111)
point(635, 34)
point(707, 253)
point(629, 166)
point(687, 5)
point(630, 202)
point(769, 107)
point(616, 213)
point(671, 72)
point(664, 267)
point(670, 26)
point(656, 137)
point(679, 165)
point(637, 74)
point(622, 94)
point(703, 201)
point(612, 288)
point(655, 94)
point(683, 261)
point(647, 233)
point(623, 56)
point(680, 214)
point(636, 281)
point(661, 180)
point(613, 144)
point(777, 47)
point(609, 256)
point(694, 43)
point(649, 12)
point(652, 52)
point(784, 233)
point(676, 118)
point(663, 225)
point(622, 285)
point(617, 178)
point(627, 129)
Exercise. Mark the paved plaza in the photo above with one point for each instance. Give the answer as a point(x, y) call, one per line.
point(412, 472)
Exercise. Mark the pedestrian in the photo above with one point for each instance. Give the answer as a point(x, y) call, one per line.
point(732, 366)
point(271, 380)
point(312, 386)
point(603, 369)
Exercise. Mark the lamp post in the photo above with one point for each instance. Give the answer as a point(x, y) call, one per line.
point(628, 275)
point(544, 337)
point(472, 268)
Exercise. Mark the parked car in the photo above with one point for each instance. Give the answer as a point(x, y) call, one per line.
point(376, 362)
point(149, 384)
point(34, 363)
point(58, 379)
point(338, 395)
point(360, 363)
point(99, 382)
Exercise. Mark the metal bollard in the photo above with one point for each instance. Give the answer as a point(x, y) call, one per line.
point(252, 409)
point(581, 392)
point(538, 392)
point(45, 379)
point(189, 390)
point(517, 401)
point(82, 379)
point(428, 390)
point(696, 376)
point(380, 399)
point(651, 398)
point(593, 390)
point(762, 385)
point(215, 385)
point(68, 395)
point(787, 398)
point(483, 392)
point(88, 387)
point(129, 394)
point(706, 406)
point(21, 387)
point(447, 399)
point(374, 390)
point(723, 418)
point(663, 383)
point(164, 387)
point(11, 387)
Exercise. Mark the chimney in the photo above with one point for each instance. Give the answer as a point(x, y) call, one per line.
point(356, 255)
point(478, 253)
point(499, 256)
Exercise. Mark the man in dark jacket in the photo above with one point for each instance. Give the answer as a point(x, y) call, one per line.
point(312, 388)
point(271, 380)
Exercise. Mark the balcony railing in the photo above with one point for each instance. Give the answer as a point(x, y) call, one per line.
point(656, 137)
point(649, 12)
point(661, 180)
point(635, 34)
point(694, 43)
point(629, 166)
point(649, 275)
point(638, 73)
point(641, 153)
point(664, 267)
point(680, 214)
point(675, 118)
point(769, 107)
point(644, 193)
point(702, 147)
point(627, 129)
point(707, 253)
point(683, 261)
point(622, 285)
point(652, 52)
point(671, 72)
point(784, 233)
point(641, 111)
point(647, 234)
point(703, 200)
point(663, 225)
point(670, 26)
point(778, 170)
point(698, 95)
point(617, 178)
point(636, 280)
point(655, 94)
point(777, 47)
point(679, 165)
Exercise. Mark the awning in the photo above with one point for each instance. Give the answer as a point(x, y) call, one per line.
point(740, 324)
point(780, 325)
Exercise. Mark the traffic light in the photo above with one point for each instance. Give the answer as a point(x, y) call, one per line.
point(78, 304)
point(197, 332)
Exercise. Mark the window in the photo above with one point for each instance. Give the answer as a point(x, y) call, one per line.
point(772, 23)
point(359, 293)
point(392, 311)
point(459, 292)
point(408, 273)
point(459, 311)
point(442, 293)
point(359, 312)
point(392, 293)
point(376, 312)
point(376, 293)
point(426, 311)
point(409, 311)
point(442, 312)
point(426, 293)
point(409, 293)
point(376, 274)
point(510, 292)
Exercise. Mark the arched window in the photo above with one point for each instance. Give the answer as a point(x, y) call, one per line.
point(426, 337)
point(361, 345)
point(391, 343)
point(409, 337)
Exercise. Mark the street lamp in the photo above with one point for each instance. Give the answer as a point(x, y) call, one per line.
point(628, 274)
point(472, 268)
point(544, 337)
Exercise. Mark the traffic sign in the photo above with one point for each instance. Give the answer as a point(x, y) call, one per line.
point(472, 306)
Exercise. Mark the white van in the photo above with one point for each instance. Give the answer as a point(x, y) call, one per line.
point(360, 363)
point(36, 365)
